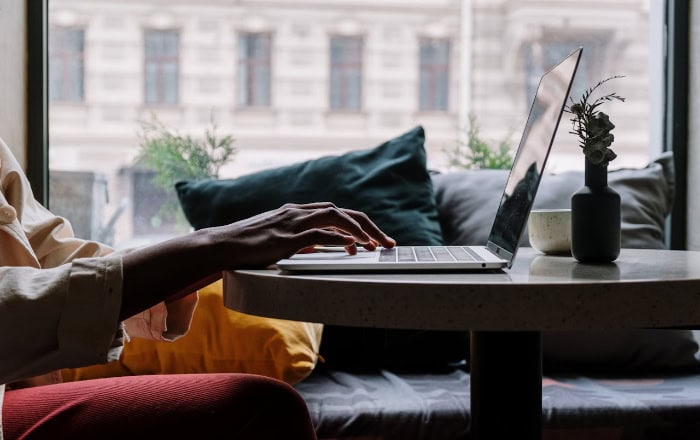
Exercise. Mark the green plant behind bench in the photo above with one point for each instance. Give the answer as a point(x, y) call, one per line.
point(476, 153)
point(173, 156)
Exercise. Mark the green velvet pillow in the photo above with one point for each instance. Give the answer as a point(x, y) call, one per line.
point(390, 183)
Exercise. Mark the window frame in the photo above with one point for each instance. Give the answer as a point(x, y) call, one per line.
point(675, 137)
point(37, 111)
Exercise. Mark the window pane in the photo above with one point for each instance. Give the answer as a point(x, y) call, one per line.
point(403, 64)
point(254, 70)
point(161, 67)
point(346, 73)
point(66, 64)
point(434, 74)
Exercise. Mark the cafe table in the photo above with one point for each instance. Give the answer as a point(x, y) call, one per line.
point(505, 312)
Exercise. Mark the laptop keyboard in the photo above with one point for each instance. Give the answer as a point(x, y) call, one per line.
point(428, 253)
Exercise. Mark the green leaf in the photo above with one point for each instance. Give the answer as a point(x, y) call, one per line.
point(173, 157)
point(477, 153)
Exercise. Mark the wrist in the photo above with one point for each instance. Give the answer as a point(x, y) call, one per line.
point(212, 247)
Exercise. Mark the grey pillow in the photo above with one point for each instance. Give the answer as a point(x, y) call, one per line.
point(467, 202)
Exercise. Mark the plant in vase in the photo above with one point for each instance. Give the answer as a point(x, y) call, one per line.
point(595, 208)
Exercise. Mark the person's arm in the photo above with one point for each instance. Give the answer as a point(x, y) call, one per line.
point(173, 268)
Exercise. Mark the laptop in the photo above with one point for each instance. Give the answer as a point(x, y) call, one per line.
point(514, 208)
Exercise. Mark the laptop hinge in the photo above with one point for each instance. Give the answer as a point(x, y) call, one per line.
point(500, 252)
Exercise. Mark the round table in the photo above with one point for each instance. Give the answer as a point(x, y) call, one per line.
point(505, 311)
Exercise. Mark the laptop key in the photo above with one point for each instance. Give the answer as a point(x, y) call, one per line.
point(459, 253)
point(406, 254)
point(473, 253)
point(387, 255)
point(441, 253)
point(423, 253)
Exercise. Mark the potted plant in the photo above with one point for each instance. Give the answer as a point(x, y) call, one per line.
point(595, 208)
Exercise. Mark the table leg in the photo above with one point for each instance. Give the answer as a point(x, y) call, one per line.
point(506, 385)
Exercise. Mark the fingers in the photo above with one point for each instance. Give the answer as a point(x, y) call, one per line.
point(313, 237)
point(325, 214)
point(307, 250)
point(377, 236)
point(337, 219)
point(309, 206)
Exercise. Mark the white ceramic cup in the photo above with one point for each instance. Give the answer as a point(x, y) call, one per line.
point(549, 231)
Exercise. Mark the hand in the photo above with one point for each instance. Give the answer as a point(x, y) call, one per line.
point(176, 267)
point(265, 238)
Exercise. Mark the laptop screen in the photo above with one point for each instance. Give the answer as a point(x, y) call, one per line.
point(531, 157)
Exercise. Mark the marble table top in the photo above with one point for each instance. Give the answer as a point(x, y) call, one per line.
point(641, 289)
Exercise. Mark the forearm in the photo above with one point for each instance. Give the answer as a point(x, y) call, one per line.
point(168, 270)
point(176, 267)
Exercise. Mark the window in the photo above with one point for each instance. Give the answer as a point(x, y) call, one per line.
point(434, 74)
point(370, 81)
point(161, 66)
point(254, 70)
point(66, 52)
point(346, 73)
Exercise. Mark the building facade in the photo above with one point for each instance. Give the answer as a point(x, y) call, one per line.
point(294, 80)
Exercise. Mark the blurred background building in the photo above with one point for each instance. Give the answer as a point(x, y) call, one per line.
point(294, 80)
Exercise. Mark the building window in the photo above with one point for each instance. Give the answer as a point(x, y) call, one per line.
point(66, 64)
point(254, 69)
point(434, 74)
point(544, 55)
point(161, 66)
point(346, 73)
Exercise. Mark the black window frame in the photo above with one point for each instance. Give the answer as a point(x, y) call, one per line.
point(676, 76)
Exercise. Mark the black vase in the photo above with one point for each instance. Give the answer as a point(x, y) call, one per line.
point(595, 218)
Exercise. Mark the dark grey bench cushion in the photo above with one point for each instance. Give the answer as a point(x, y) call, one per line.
point(386, 405)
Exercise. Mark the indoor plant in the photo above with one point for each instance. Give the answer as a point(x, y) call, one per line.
point(595, 208)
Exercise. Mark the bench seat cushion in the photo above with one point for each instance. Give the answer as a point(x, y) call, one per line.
point(387, 405)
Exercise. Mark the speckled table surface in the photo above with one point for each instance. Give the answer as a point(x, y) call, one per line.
point(642, 288)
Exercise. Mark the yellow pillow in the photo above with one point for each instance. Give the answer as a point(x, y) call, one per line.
point(220, 340)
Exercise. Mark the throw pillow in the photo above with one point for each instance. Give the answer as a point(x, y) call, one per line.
point(389, 183)
point(467, 202)
point(220, 340)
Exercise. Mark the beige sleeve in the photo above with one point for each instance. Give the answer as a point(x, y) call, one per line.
point(57, 318)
